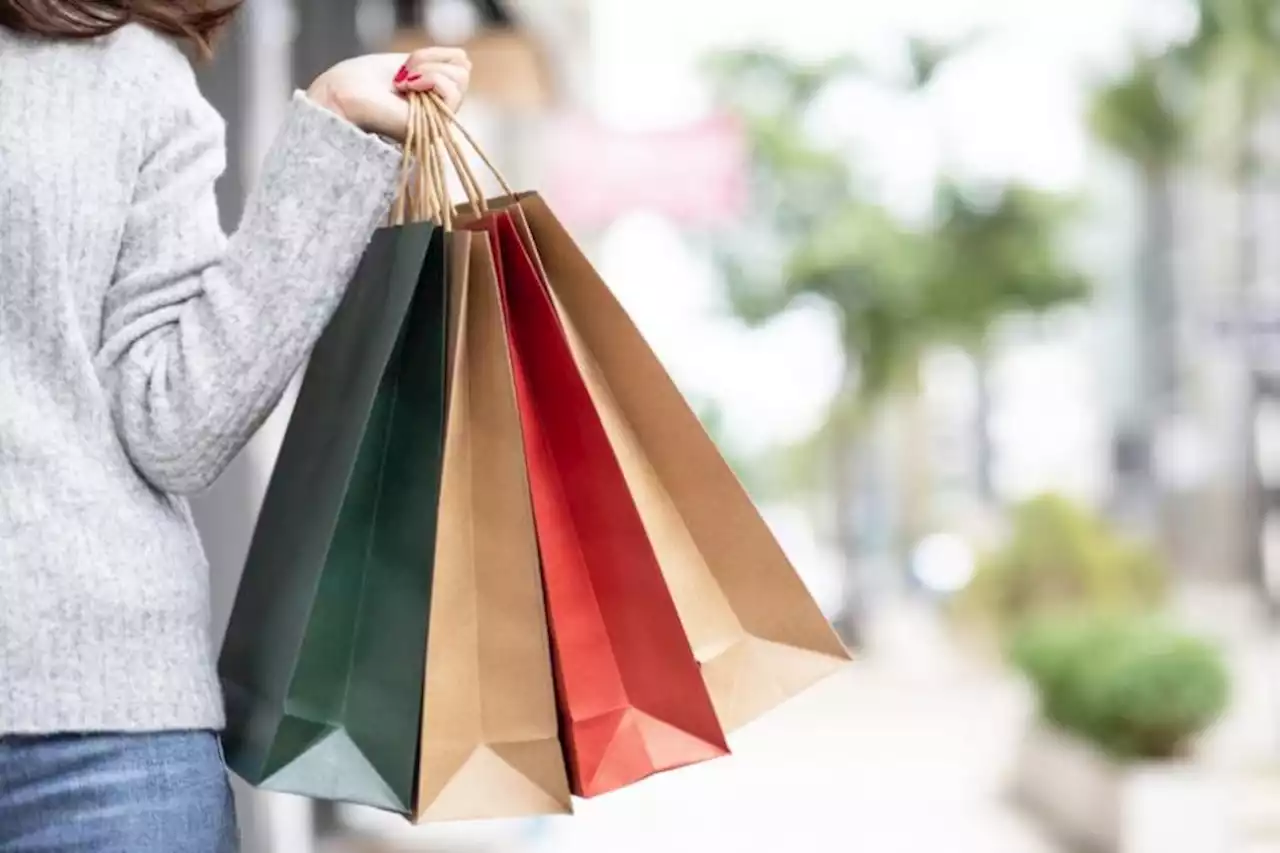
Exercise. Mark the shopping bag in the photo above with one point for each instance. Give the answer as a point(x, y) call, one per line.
point(758, 633)
point(490, 745)
point(631, 697)
point(323, 661)
point(755, 628)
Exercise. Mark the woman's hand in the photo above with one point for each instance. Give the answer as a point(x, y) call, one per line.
point(370, 91)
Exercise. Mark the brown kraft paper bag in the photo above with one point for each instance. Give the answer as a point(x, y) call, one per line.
point(490, 746)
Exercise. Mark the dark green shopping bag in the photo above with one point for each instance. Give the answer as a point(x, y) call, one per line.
point(324, 659)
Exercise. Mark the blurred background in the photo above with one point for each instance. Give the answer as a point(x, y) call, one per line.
point(980, 299)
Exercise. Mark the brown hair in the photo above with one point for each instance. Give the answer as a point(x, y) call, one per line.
point(196, 21)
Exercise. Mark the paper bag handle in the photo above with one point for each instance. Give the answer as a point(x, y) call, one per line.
point(444, 125)
point(418, 194)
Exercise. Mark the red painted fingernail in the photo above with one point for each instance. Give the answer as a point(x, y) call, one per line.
point(403, 73)
point(413, 78)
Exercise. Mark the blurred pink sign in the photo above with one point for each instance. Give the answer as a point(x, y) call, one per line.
point(695, 174)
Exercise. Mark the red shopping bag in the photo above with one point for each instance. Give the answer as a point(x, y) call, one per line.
point(632, 698)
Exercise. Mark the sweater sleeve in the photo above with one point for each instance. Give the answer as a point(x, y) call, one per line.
point(202, 333)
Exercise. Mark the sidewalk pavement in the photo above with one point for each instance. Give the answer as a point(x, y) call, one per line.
point(904, 753)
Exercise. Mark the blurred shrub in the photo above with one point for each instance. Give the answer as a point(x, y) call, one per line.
point(1136, 688)
point(1056, 655)
point(1060, 556)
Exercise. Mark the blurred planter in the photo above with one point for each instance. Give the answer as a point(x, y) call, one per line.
point(509, 67)
point(1100, 805)
point(1123, 701)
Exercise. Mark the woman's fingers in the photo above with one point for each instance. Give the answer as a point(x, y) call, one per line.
point(420, 61)
point(459, 75)
point(447, 81)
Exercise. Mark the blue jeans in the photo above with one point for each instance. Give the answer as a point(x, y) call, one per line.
point(148, 793)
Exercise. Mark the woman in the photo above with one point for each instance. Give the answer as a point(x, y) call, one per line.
point(139, 350)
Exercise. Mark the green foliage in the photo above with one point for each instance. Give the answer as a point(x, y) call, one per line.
point(1060, 656)
point(1060, 557)
point(1147, 114)
point(896, 289)
point(993, 254)
point(1136, 688)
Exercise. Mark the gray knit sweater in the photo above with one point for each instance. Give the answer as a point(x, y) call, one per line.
point(139, 350)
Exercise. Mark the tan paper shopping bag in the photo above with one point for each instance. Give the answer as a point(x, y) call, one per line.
point(753, 625)
point(490, 746)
